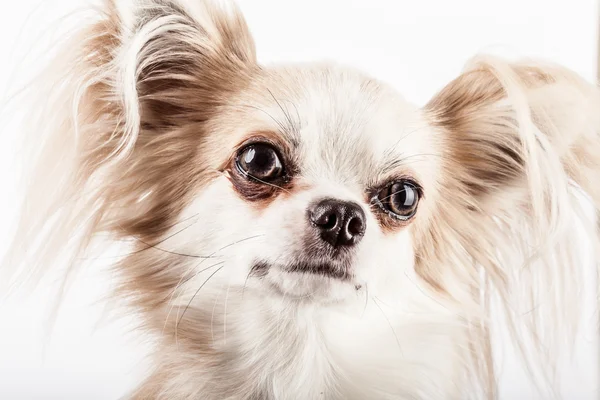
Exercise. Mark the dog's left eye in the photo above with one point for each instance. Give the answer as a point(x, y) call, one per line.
point(399, 199)
point(260, 161)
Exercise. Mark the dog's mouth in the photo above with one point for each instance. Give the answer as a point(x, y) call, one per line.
point(322, 269)
point(327, 270)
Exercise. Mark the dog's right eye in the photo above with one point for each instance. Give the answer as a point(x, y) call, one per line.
point(260, 161)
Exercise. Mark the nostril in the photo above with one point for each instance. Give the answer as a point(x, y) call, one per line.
point(325, 221)
point(356, 226)
point(330, 222)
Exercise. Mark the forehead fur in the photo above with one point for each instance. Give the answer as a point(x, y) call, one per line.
point(341, 124)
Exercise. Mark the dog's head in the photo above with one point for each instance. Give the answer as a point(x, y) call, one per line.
point(304, 184)
point(316, 181)
point(313, 182)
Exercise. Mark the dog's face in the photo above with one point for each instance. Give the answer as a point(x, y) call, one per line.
point(289, 185)
point(317, 187)
point(323, 178)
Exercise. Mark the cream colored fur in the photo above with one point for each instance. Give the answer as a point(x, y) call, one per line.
point(145, 108)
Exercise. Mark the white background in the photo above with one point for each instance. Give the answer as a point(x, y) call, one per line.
point(417, 46)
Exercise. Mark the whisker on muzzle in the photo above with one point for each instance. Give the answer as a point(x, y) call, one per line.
point(185, 279)
point(180, 318)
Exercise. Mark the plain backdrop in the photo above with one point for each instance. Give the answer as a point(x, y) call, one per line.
point(417, 46)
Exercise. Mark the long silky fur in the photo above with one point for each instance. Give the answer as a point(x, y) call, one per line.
point(537, 125)
point(88, 124)
point(522, 139)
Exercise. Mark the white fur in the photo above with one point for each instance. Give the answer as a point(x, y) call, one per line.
point(387, 339)
point(389, 333)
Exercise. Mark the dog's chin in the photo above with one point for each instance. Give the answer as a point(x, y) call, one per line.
point(309, 282)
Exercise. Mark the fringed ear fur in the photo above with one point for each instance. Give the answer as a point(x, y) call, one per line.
point(520, 139)
point(125, 112)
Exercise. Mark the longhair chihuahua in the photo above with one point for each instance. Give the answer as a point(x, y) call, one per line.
point(301, 231)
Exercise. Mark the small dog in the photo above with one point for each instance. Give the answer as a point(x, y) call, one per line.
point(301, 231)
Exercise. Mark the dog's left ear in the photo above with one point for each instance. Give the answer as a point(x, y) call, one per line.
point(501, 120)
point(514, 138)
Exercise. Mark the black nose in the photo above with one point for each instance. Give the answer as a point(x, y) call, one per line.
point(341, 223)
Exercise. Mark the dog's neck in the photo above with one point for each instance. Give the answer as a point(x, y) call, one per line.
point(263, 348)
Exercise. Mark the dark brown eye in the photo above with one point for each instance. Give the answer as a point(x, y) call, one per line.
point(399, 199)
point(260, 161)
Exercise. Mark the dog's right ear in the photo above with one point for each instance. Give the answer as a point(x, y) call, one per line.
point(175, 59)
point(175, 64)
point(123, 113)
